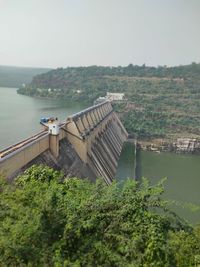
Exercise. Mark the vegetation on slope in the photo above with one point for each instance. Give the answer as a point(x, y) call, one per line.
point(16, 76)
point(161, 101)
point(48, 221)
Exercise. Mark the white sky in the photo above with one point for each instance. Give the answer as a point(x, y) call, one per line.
point(61, 33)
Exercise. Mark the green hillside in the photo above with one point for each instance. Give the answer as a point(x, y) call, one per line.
point(162, 101)
point(16, 76)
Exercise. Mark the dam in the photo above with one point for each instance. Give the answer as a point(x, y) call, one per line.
point(88, 144)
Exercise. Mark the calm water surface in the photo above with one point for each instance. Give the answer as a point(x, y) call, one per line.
point(20, 115)
point(181, 170)
point(183, 178)
point(126, 162)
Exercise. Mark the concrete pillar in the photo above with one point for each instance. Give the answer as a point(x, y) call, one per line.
point(102, 113)
point(94, 117)
point(80, 125)
point(108, 107)
point(85, 122)
point(104, 110)
point(54, 144)
point(97, 115)
point(99, 112)
point(89, 119)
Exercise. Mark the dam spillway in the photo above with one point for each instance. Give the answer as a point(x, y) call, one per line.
point(89, 144)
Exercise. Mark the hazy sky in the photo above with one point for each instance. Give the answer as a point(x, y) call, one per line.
point(60, 33)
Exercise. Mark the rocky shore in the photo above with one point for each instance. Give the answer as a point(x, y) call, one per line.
point(180, 145)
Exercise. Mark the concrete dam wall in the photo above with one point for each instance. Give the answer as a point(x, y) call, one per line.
point(68, 161)
point(88, 144)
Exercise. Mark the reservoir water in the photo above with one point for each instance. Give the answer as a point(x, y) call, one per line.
point(183, 179)
point(20, 115)
point(126, 164)
point(19, 119)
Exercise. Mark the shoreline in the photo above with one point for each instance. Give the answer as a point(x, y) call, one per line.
point(178, 146)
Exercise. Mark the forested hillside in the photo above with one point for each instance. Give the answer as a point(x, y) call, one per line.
point(161, 101)
point(47, 220)
point(16, 76)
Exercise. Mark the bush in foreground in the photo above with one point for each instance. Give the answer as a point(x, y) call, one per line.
point(46, 220)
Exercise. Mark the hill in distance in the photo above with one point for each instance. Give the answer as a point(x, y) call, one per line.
point(162, 101)
point(16, 76)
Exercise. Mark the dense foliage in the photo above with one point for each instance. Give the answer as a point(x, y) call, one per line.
point(46, 220)
point(161, 102)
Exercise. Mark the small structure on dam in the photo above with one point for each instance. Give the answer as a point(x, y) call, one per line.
point(88, 144)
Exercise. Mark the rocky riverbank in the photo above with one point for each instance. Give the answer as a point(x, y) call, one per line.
point(180, 145)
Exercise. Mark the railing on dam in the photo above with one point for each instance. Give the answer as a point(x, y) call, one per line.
point(96, 134)
point(87, 120)
point(20, 145)
point(23, 153)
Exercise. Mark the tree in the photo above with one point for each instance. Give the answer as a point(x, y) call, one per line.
point(46, 220)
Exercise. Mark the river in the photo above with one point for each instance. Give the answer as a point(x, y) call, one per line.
point(19, 118)
point(182, 173)
point(20, 115)
point(126, 164)
point(183, 179)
